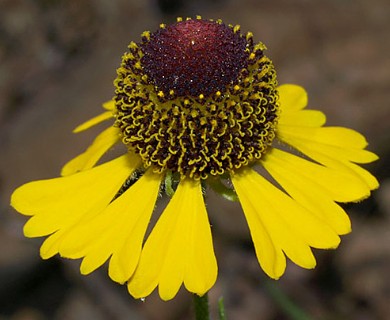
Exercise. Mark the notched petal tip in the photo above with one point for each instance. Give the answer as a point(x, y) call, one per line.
point(280, 223)
point(115, 233)
point(313, 186)
point(179, 249)
point(59, 205)
point(49, 247)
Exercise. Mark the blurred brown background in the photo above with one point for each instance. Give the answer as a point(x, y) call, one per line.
point(57, 64)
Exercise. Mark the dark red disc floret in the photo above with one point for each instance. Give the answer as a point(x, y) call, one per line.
point(194, 57)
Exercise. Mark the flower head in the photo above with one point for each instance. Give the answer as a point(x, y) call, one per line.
point(197, 103)
point(197, 98)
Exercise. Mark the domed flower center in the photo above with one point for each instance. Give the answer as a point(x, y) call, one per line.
point(197, 98)
point(194, 57)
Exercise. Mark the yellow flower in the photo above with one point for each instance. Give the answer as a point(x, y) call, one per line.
point(196, 104)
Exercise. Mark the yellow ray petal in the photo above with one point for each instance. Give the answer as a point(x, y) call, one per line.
point(368, 178)
point(109, 105)
point(96, 258)
point(304, 188)
point(179, 249)
point(291, 227)
point(104, 141)
point(292, 97)
point(336, 159)
point(269, 253)
point(334, 136)
point(91, 193)
point(49, 247)
point(265, 213)
point(94, 121)
point(305, 118)
point(71, 192)
point(58, 204)
point(339, 143)
point(339, 185)
point(118, 231)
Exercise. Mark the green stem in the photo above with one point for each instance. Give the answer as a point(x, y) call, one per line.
point(285, 303)
point(221, 309)
point(169, 184)
point(201, 305)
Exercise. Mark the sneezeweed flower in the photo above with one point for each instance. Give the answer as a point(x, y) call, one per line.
point(197, 103)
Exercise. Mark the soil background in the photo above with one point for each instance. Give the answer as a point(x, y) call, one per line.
point(57, 63)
